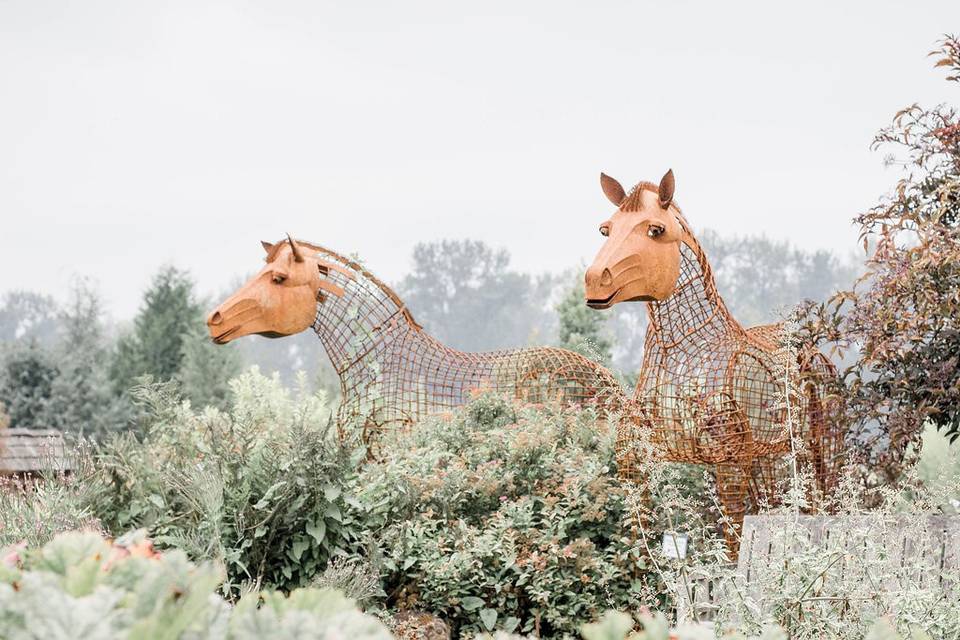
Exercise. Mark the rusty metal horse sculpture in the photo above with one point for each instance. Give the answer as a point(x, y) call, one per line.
point(709, 391)
point(392, 373)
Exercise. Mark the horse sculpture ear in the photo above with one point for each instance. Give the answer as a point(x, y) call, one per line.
point(267, 246)
point(297, 256)
point(612, 189)
point(667, 186)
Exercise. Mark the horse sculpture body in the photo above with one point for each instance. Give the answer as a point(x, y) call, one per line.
point(709, 391)
point(393, 373)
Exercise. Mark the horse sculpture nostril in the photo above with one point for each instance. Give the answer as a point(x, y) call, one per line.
point(216, 318)
point(606, 278)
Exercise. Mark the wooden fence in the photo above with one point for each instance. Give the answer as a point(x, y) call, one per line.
point(887, 554)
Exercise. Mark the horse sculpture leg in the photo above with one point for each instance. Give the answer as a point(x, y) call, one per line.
point(823, 432)
point(765, 480)
point(732, 489)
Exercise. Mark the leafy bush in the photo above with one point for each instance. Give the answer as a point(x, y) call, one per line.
point(262, 488)
point(82, 586)
point(899, 318)
point(509, 517)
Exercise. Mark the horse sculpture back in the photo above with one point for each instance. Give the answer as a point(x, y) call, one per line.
point(709, 391)
point(392, 372)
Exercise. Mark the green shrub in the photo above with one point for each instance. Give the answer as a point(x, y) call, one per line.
point(506, 517)
point(81, 586)
point(261, 488)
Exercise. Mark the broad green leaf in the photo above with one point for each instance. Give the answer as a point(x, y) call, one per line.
point(299, 546)
point(317, 530)
point(489, 618)
point(332, 511)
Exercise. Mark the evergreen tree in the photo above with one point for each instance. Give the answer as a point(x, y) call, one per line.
point(583, 329)
point(81, 397)
point(207, 368)
point(26, 385)
point(155, 346)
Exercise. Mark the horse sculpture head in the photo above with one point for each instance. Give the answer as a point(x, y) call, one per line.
point(640, 259)
point(280, 300)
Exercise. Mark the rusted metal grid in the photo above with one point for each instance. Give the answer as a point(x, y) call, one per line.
point(712, 392)
point(393, 373)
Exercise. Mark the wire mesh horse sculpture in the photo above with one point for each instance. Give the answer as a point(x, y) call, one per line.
point(392, 373)
point(709, 390)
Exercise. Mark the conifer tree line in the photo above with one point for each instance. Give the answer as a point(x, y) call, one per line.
point(61, 367)
point(64, 365)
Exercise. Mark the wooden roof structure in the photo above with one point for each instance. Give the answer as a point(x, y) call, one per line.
point(30, 451)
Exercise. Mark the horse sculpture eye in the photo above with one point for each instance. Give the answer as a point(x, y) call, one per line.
point(278, 279)
point(604, 230)
point(655, 231)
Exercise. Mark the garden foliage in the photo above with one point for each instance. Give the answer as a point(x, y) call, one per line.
point(498, 518)
point(80, 585)
point(263, 488)
point(506, 517)
point(33, 511)
point(880, 562)
point(900, 320)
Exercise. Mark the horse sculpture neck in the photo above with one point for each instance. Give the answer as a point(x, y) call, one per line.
point(695, 311)
point(349, 325)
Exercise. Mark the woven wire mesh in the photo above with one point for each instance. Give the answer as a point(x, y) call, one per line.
point(392, 373)
point(709, 391)
point(712, 392)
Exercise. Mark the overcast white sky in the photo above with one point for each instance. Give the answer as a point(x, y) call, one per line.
point(134, 134)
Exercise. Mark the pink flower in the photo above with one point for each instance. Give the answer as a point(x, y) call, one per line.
point(12, 557)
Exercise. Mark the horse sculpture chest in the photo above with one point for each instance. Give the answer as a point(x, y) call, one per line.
point(707, 386)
